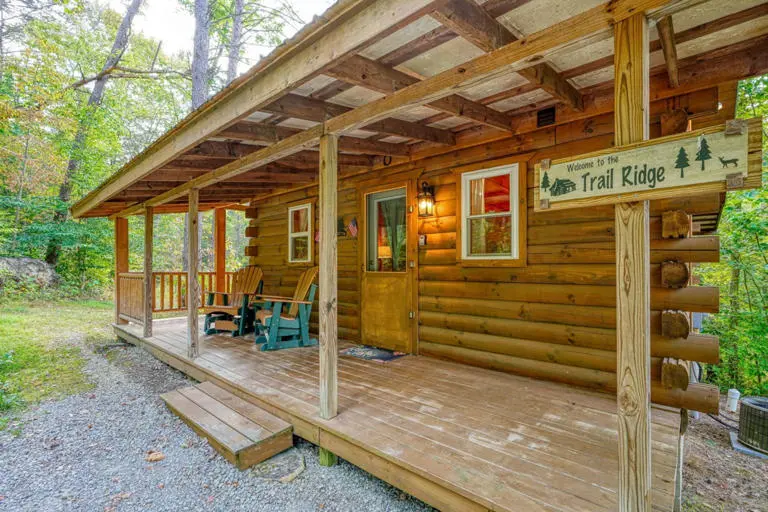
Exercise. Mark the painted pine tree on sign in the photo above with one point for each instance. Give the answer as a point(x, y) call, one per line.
point(682, 162)
point(703, 154)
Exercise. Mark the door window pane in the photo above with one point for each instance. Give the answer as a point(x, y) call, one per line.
point(386, 231)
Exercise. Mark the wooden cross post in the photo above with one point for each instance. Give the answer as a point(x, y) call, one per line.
point(193, 288)
point(632, 276)
point(149, 282)
point(220, 249)
point(329, 146)
point(121, 261)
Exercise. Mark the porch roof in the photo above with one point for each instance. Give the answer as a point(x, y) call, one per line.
point(404, 79)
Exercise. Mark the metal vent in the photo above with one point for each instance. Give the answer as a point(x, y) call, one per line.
point(545, 117)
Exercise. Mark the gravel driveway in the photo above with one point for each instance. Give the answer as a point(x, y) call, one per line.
point(88, 452)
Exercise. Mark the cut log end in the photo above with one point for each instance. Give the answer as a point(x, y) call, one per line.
point(675, 224)
point(674, 274)
point(674, 324)
point(675, 373)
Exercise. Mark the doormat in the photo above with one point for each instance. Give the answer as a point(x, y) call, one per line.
point(379, 355)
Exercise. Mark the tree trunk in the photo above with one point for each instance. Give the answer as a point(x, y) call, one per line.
point(235, 41)
point(94, 100)
point(200, 54)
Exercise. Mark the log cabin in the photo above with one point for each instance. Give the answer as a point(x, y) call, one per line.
point(397, 144)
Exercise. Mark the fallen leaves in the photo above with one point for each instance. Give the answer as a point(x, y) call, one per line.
point(153, 456)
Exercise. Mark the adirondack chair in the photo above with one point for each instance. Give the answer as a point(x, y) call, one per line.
point(234, 313)
point(283, 322)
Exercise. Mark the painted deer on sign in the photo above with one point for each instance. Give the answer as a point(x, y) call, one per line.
point(726, 163)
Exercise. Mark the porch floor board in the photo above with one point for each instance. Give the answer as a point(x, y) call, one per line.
point(456, 436)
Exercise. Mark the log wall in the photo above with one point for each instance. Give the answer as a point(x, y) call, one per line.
point(553, 318)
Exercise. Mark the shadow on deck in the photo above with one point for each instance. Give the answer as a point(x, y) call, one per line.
point(458, 437)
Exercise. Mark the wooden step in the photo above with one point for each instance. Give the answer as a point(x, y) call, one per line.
point(242, 432)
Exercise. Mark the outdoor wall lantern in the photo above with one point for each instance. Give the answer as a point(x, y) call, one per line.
point(426, 200)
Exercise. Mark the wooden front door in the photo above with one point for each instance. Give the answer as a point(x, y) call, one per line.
point(388, 269)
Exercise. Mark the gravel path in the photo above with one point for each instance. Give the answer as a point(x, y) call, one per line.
point(88, 452)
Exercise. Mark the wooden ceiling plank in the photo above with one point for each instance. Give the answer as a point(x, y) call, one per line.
point(669, 49)
point(379, 77)
point(476, 25)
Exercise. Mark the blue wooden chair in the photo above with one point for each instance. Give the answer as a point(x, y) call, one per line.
point(234, 314)
point(283, 322)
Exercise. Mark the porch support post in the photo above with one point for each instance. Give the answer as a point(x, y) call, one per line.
point(149, 282)
point(121, 260)
point(632, 276)
point(328, 275)
point(220, 248)
point(193, 287)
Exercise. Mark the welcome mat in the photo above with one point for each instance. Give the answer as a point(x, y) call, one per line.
point(372, 353)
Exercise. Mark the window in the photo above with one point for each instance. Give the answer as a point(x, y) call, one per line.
point(490, 214)
point(300, 233)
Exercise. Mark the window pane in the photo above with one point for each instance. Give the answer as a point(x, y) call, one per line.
point(387, 232)
point(489, 195)
point(490, 236)
point(300, 248)
point(299, 220)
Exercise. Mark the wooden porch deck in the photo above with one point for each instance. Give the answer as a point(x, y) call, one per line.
point(458, 437)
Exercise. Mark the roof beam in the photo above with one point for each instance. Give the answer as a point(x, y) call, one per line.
point(379, 77)
point(344, 29)
point(669, 49)
point(476, 25)
point(302, 107)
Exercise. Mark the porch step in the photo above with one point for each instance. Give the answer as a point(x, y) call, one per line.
point(242, 432)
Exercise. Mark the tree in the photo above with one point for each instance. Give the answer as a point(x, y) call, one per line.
point(545, 181)
point(200, 54)
point(742, 273)
point(703, 154)
point(94, 100)
point(682, 161)
point(235, 41)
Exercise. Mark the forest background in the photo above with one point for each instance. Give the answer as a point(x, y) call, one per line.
point(81, 93)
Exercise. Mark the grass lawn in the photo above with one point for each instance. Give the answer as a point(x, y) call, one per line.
point(40, 349)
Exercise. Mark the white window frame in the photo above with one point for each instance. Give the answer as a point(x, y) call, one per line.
point(514, 206)
point(303, 234)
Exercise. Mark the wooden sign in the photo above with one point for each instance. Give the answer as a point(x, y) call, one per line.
point(725, 157)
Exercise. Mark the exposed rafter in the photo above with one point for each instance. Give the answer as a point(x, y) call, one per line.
point(476, 25)
point(669, 48)
point(301, 107)
point(268, 134)
point(373, 75)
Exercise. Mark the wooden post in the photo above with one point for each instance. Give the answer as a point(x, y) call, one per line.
point(328, 275)
point(633, 343)
point(121, 260)
point(193, 288)
point(149, 282)
point(220, 249)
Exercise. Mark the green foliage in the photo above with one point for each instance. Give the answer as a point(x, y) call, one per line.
point(742, 274)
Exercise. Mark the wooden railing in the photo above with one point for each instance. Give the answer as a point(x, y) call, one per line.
point(170, 289)
point(131, 303)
